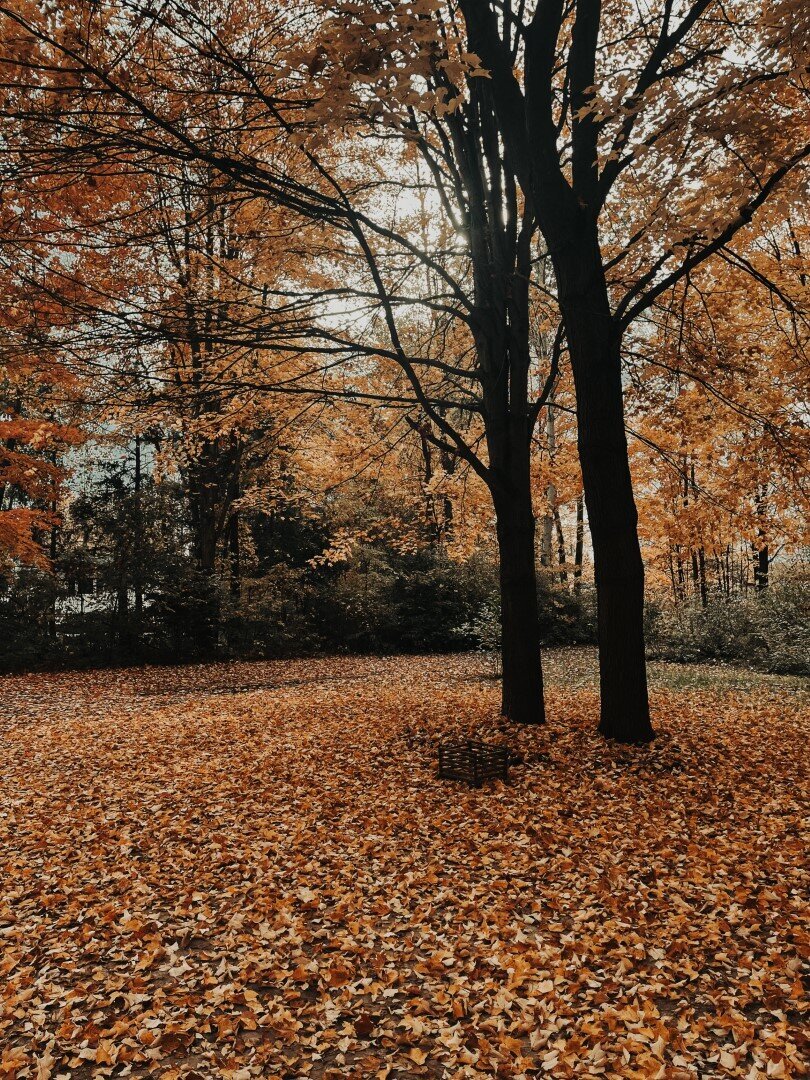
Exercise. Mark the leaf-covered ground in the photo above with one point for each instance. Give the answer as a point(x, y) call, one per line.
point(251, 870)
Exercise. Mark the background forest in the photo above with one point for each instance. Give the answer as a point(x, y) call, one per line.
point(237, 415)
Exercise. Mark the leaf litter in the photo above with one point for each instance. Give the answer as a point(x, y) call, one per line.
point(271, 881)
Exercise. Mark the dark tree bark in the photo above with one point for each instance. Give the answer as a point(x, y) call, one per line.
point(762, 560)
point(761, 567)
point(579, 545)
point(568, 216)
point(551, 133)
point(208, 479)
point(561, 559)
point(138, 545)
point(522, 688)
point(122, 615)
point(522, 684)
point(704, 590)
point(612, 515)
point(234, 556)
point(501, 234)
point(204, 485)
point(52, 553)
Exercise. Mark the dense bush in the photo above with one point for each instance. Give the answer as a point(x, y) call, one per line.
point(377, 602)
point(566, 617)
point(28, 634)
point(274, 615)
point(769, 630)
point(415, 603)
point(125, 588)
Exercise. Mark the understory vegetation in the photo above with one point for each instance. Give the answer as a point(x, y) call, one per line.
point(124, 586)
point(377, 600)
point(767, 629)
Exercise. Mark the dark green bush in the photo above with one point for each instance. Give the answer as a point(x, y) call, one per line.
point(28, 632)
point(274, 615)
point(385, 602)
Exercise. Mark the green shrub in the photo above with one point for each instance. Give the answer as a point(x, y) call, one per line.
point(274, 615)
point(769, 630)
point(27, 621)
point(386, 603)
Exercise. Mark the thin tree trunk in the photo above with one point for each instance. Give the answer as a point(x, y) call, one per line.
point(704, 591)
point(122, 615)
point(761, 554)
point(551, 512)
point(138, 547)
point(52, 552)
point(761, 567)
point(579, 545)
point(672, 575)
point(234, 560)
point(681, 578)
point(561, 560)
point(546, 537)
point(203, 494)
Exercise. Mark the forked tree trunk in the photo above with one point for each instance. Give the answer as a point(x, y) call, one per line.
point(522, 687)
point(602, 442)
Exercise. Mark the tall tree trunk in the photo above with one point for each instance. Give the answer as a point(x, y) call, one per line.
point(546, 535)
point(762, 560)
point(122, 615)
point(203, 490)
point(509, 423)
point(522, 687)
point(138, 548)
point(672, 575)
point(704, 591)
point(681, 577)
point(233, 556)
point(594, 347)
point(551, 513)
point(52, 552)
point(509, 449)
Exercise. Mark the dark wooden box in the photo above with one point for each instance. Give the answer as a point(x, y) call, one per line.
point(473, 762)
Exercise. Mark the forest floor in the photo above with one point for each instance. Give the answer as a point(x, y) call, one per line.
point(251, 869)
